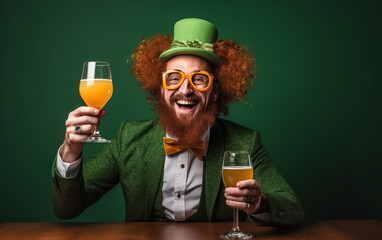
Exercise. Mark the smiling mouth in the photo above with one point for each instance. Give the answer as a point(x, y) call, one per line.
point(186, 105)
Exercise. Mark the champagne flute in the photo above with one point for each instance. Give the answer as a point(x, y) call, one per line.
point(96, 88)
point(237, 166)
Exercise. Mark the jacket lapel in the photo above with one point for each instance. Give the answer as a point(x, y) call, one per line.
point(156, 154)
point(213, 167)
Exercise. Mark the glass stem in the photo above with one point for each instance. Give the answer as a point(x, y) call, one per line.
point(96, 132)
point(235, 227)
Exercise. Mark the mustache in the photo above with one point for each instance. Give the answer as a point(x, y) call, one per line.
point(180, 96)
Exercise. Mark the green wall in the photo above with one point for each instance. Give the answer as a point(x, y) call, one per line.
point(317, 101)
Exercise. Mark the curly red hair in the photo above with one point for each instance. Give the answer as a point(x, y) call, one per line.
point(233, 76)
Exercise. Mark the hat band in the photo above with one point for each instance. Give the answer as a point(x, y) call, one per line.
point(194, 43)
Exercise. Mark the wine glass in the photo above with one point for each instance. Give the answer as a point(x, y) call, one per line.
point(96, 88)
point(237, 166)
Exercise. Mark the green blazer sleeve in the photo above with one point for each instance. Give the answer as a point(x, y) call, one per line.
point(134, 158)
point(72, 195)
point(285, 206)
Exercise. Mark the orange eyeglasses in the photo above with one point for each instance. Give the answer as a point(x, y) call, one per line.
point(200, 80)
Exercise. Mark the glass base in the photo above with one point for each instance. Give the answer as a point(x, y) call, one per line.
point(94, 139)
point(236, 235)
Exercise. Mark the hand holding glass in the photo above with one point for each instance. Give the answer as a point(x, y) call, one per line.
point(96, 88)
point(237, 166)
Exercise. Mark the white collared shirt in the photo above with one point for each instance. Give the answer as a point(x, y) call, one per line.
point(182, 183)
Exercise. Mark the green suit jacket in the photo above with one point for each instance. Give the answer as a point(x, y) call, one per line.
point(135, 158)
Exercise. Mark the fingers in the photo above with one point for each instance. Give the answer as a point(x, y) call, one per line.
point(86, 118)
point(249, 204)
point(243, 192)
point(246, 196)
point(84, 115)
point(74, 138)
point(80, 111)
point(252, 183)
point(241, 198)
point(248, 207)
point(85, 129)
point(83, 120)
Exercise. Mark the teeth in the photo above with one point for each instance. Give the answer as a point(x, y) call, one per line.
point(184, 102)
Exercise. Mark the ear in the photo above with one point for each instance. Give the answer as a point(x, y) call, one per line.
point(215, 93)
point(162, 90)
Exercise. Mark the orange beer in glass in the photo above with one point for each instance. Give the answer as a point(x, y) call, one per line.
point(96, 92)
point(235, 174)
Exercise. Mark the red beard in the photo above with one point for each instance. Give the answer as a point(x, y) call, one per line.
point(187, 130)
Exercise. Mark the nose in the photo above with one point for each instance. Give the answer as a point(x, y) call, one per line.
point(186, 87)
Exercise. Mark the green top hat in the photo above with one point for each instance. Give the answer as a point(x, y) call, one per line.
point(193, 36)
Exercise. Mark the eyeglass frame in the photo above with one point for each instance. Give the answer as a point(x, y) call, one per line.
point(188, 76)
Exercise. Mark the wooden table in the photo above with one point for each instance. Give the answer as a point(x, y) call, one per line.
point(326, 230)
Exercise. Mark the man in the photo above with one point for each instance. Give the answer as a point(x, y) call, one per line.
point(170, 168)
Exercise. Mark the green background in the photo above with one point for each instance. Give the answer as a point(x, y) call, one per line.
point(317, 101)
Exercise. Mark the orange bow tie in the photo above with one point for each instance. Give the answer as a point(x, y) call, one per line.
point(172, 146)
